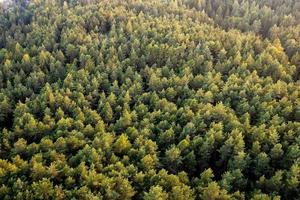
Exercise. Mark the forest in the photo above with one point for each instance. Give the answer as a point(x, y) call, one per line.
point(150, 99)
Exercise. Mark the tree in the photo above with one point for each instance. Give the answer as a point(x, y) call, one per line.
point(149, 162)
point(181, 193)
point(173, 158)
point(213, 191)
point(43, 189)
point(107, 112)
point(191, 162)
point(156, 193)
point(5, 108)
point(122, 144)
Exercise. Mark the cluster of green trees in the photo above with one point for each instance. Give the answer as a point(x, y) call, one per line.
point(150, 99)
point(273, 19)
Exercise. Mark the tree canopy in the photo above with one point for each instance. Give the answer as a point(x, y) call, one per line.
point(150, 99)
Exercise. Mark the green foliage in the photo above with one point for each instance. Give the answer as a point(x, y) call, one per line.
point(156, 193)
point(149, 99)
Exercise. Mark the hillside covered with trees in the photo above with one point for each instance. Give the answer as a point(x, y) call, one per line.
point(150, 99)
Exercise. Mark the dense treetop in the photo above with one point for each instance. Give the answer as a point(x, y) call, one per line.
point(150, 99)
